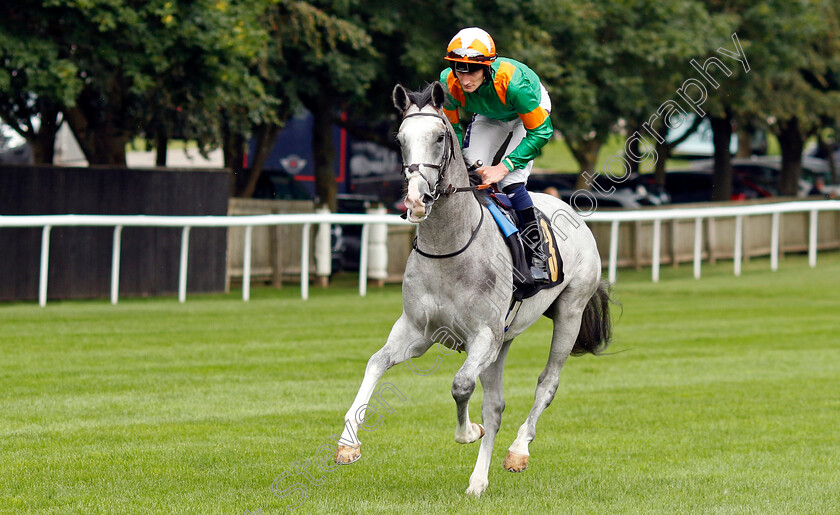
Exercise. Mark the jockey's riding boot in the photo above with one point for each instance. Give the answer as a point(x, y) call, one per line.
point(532, 237)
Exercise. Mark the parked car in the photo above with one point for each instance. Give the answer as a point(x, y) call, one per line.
point(640, 187)
point(347, 239)
point(620, 199)
point(280, 185)
point(692, 185)
point(764, 171)
point(13, 147)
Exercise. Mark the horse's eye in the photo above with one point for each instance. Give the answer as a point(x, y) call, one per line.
point(440, 138)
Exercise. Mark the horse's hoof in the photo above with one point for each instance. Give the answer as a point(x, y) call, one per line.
point(465, 439)
point(347, 454)
point(516, 462)
point(476, 489)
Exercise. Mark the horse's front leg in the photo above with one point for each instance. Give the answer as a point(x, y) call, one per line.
point(482, 351)
point(491, 415)
point(404, 342)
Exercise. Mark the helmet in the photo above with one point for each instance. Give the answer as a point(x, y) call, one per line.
point(471, 46)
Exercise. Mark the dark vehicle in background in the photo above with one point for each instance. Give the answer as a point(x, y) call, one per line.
point(14, 149)
point(755, 177)
point(697, 186)
point(583, 202)
point(280, 185)
point(345, 240)
point(638, 189)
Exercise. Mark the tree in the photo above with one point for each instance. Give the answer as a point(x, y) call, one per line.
point(36, 78)
point(315, 58)
point(117, 69)
point(792, 48)
point(606, 61)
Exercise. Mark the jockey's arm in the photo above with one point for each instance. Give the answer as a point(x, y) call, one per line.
point(525, 96)
point(538, 132)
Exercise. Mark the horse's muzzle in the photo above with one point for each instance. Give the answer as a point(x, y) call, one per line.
point(418, 200)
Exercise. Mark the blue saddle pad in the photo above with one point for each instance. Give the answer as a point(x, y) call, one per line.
point(505, 224)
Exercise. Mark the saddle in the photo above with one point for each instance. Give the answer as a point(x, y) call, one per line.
point(506, 218)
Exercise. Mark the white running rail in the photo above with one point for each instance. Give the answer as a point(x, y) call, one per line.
point(615, 218)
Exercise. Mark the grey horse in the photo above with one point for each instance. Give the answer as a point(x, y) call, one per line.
point(458, 287)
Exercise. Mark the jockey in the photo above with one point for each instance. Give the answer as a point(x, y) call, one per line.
point(511, 108)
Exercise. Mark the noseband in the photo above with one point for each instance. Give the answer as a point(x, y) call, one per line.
point(413, 170)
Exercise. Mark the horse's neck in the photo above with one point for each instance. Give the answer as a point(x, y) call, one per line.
point(453, 218)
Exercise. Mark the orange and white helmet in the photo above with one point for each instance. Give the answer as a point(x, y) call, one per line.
point(471, 45)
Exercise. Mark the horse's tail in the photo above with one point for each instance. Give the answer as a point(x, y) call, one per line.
point(595, 327)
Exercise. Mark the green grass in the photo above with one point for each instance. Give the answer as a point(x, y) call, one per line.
point(720, 396)
point(140, 144)
point(556, 157)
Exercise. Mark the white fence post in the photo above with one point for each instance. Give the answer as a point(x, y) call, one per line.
point(182, 276)
point(363, 260)
point(657, 244)
point(698, 246)
point(774, 241)
point(739, 243)
point(812, 239)
point(378, 253)
point(613, 251)
point(246, 263)
point(304, 261)
point(115, 264)
point(323, 249)
point(45, 265)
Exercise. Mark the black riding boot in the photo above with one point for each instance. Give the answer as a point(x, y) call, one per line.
point(532, 237)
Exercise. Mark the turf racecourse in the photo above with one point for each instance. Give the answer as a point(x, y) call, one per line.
point(721, 396)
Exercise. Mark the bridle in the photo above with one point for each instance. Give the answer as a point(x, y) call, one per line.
point(413, 170)
point(446, 158)
point(435, 193)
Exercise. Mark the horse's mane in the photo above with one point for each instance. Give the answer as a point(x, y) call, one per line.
point(423, 97)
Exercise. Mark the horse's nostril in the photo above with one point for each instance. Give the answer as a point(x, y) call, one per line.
point(427, 198)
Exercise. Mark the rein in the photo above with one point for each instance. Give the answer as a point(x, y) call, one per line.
point(447, 157)
point(451, 254)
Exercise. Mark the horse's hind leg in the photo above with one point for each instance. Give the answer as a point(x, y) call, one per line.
point(491, 414)
point(567, 320)
point(404, 342)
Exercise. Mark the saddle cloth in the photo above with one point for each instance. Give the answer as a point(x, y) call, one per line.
point(505, 216)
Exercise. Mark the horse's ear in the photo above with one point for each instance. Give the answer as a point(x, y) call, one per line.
point(400, 96)
point(438, 95)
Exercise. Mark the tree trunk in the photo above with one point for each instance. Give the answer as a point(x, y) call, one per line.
point(586, 154)
point(663, 153)
point(825, 149)
point(161, 142)
point(103, 144)
point(265, 136)
point(791, 143)
point(722, 176)
point(634, 148)
point(324, 153)
point(233, 150)
point(744, 143)
point(663, 150)
point(43, 144)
